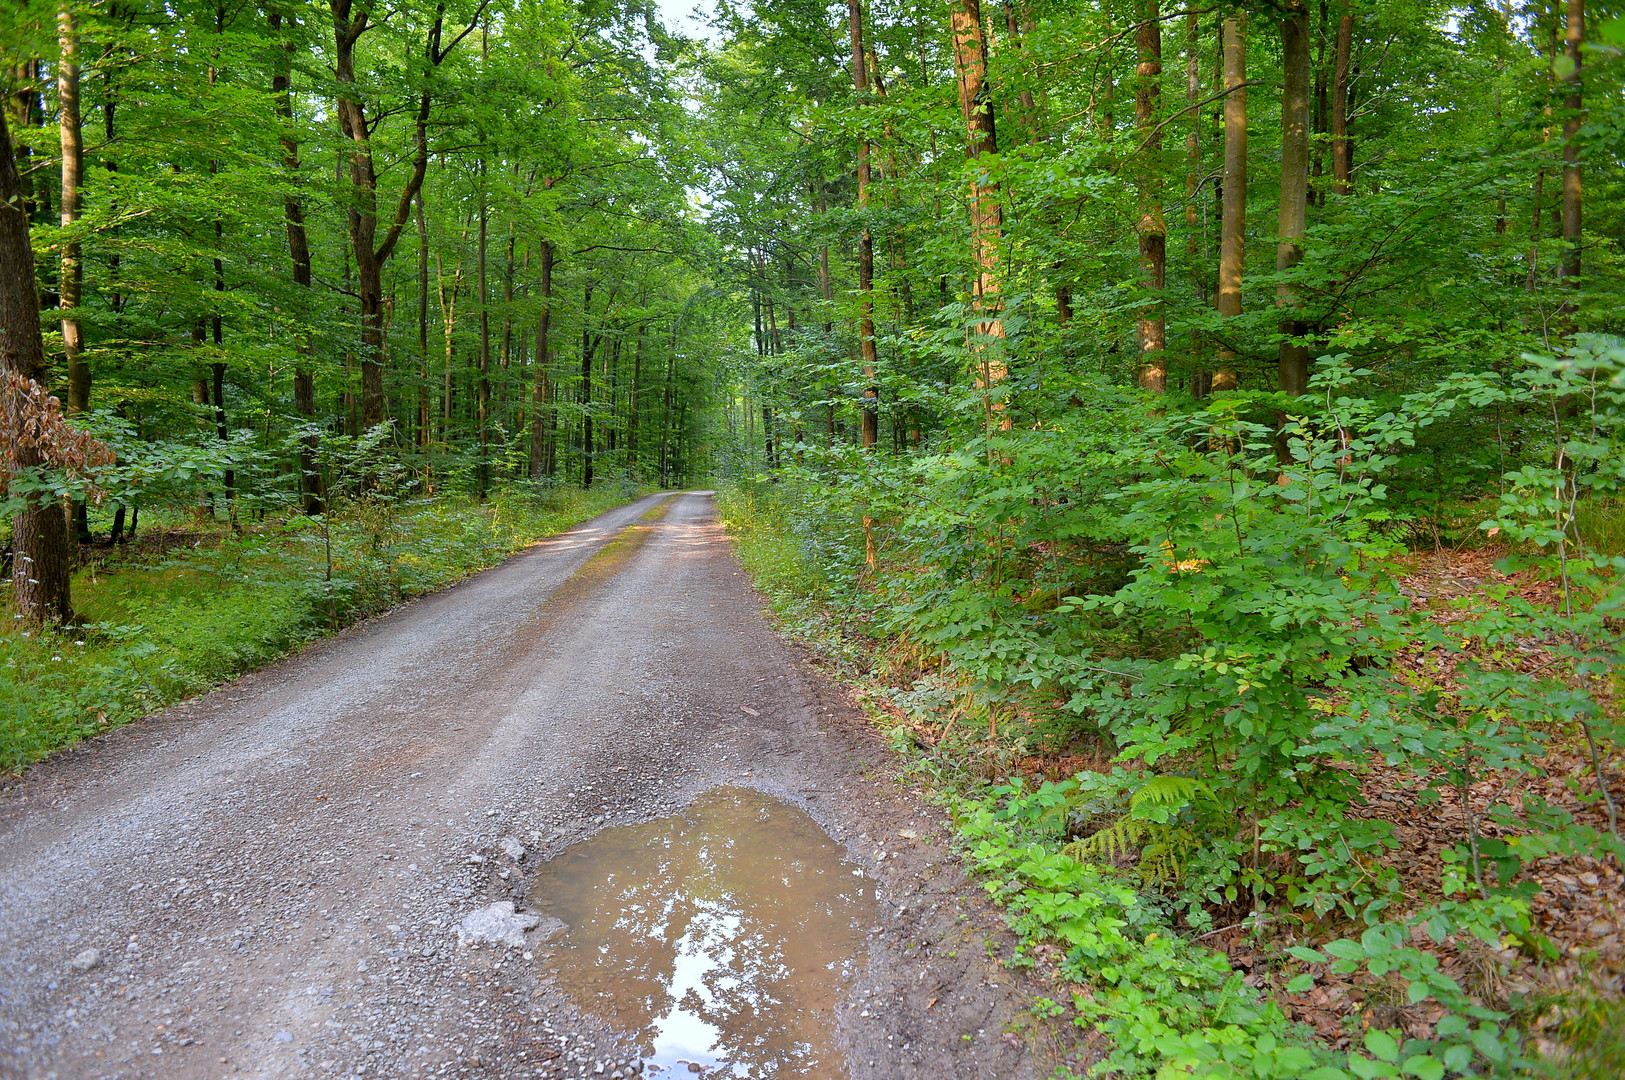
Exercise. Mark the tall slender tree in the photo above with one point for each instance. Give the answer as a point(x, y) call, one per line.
point(866, 242)
point(1153, 232)
point(1233, 226)
point(1293, 362)
point(293, 214)
point(1342, 148)
point(1574, 117)
point(986, 208)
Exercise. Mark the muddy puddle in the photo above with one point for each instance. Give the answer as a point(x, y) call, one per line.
point(721, 937)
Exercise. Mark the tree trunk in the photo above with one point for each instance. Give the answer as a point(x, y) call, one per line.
point(506, 355)
point(42, 557)
point(73, 169)
point(1322, 108)
point(1152, 373)
point(1573, 106)
point(448, 326)
point(72, 273)
point(1294, 354)
point(26, 111)
point(304, 380)
point(371, 254)
point(1233, 226)
point(1194, 242)
point(866, 243)
point(1342, 151)
point(665, 409)
point(632, 410)
point(585, 393)
point(541, 388)
point(482, 474)
point(424, 414)
point(987, 214)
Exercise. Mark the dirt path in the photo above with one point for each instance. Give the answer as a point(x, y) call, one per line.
point(268, 880)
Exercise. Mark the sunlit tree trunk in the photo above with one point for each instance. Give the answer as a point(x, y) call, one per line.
point(1153, 232)
point(1294, 214)
point(73, 169)
point(1233, 226)
point(1194, 254)
point(72, 273)
point(1320, 124)
point(987, 212)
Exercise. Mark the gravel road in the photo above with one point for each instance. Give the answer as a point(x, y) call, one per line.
point(269, 879)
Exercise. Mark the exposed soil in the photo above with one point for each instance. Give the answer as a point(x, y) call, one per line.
point(269, 879)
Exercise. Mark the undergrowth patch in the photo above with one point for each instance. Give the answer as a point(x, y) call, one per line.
point(1268, 782)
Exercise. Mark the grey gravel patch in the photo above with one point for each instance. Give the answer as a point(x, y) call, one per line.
point(512, 848)
point(496, 924)
point(86, 960)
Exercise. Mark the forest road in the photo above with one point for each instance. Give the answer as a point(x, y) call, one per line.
point(269, 880)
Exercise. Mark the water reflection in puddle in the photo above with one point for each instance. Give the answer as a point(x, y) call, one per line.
point(723, 936)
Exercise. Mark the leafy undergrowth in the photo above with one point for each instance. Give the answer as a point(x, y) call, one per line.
point(184, 608)
point(1342, 814)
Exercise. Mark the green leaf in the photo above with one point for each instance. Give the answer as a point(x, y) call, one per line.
point(1382, 1044)
point(1366, 1069)
point(1301, 983)
point(1424, 1067)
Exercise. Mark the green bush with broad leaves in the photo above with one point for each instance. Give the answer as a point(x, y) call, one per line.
point(1207, 592)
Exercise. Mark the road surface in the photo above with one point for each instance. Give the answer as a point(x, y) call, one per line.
point(269, 880)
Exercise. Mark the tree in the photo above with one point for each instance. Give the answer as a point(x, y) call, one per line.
point(1153, 338)
point(866, 243)
point(42, 560)
point(1342, 148)
point(986, 210)
point(1233, 227)
point(293, 213)
point(371, 252)
point(1294, 354)
point(1574, 109)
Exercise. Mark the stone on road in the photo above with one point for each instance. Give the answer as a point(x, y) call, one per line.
point(273, 879)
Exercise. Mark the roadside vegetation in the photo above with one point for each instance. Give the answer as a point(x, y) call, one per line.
point(191, 603)
point(1278, 768)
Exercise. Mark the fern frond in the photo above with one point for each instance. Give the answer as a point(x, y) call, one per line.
point(1166, 792)
point(1164, 848)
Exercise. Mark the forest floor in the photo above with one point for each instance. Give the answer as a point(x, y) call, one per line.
point(1577, 946)
point(277, 878)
